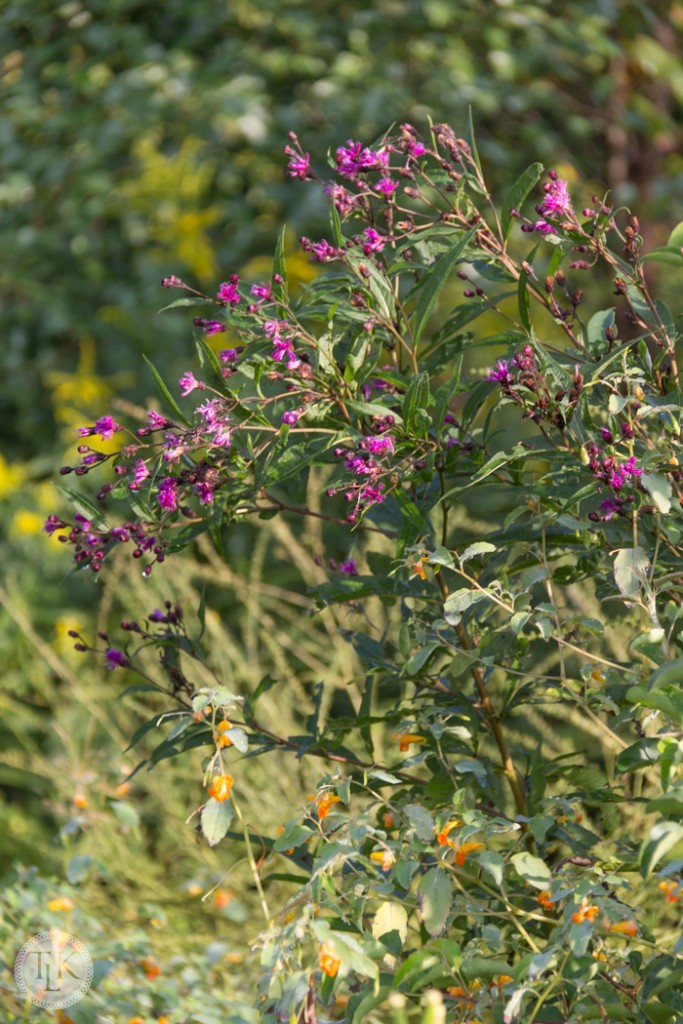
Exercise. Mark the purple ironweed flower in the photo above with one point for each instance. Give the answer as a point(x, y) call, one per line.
point(300, 166)
point(105, 427)
point(262, 291)
point(209, 412)
point(343, 200)
point(354, 159)
point(156, 421)
point(228, 355)
point(630, 467)
point(114, 658)
point(172, 282)
point(228, 293)
point(53, 523)
point(386, 186)
point(348, 567)
point(501, 373)
point(167, 495)
point(357, 465)
point(290, 417)
point(542, 227)
point(378, 445)
point(205, 492)
point(323, 252)
point(627, 431)
point(222, 436)
point(556, 202)
point(157, 616)
point(372, 495)
point(140, 473)
point(188, 383)
point(374, 242)
point(82, 521)
point(607, 435)
point(208, 326)
point(417, 148)
point(610, 507)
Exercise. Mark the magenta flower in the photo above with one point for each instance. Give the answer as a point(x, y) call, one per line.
point(168, 494)
point(300, 166)
point(105, 427)
point(114, 658)
point(386, 186)
point(188, 383)
point(209, 327)
point(262, 291)
point(205, 493)
point(378, 445)
point(228, 355)
point(556, 202)
point(156, 421)
point(140, 473)
point(290, 417)
point(417, 148)
point(223, 436)
point(374, 242)
point(501, 373)
point(348, 567)
point(53, 523)
point(372, 495)
point(343, 200)
point(354, 159)
point(323, 252)
point(228, 293)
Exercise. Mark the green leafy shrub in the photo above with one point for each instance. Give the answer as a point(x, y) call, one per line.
point(497, 834)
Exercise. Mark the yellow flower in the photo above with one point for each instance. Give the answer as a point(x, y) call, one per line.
point(384, 857)
point(597, 676)
point(442, 836)
point(27, 523)
point(328, 961)
point(406, 738)
point(324, 804)
point(622, 927)
point(221, 787)
point(464, 850)
point(219, 736)
point(60, 904)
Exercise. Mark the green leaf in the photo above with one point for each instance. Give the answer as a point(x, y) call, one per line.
point(665, 254)
point(188, 300)
point(658, 700)
point(630, 570)
point(670, 804)
point(517, 194)
point(480, 547)
point(208, 360)
point(658, 487)
point(369, 1002)
point(166, 394)
point(670, 674)
point(662, 839)
point(640, 754)
point(421, 822)
point(495, 463)
point(492, 862)
point(126, 813)
point(216, 817)
point(391, 917)
point(523, 300)
point(676, 237)
point(598, 324)
point(434, 899)
point(416, 400)
point(239, 739)
point(78, 868)
point(532, 869)
point(83, 505)
point(459, 601)
point(434, 281)
point(294, 835)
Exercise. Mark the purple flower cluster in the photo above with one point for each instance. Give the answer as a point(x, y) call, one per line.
point(228, 292)
point(355, 159)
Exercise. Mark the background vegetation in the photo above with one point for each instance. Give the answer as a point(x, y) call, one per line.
point(141, 140)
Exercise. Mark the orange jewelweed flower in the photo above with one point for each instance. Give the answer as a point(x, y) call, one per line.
point(418, 568)
point(406, 738)
point(384, 857)
point(388, 820)
point(219, 736)
point(150, 967)
point(123, 789)
point(502, 979)
point(221, 787)
point(623, 927)
point(463, 852)
point(221, 898)
point(442, 836)
point(543, 900)
point(325, 803)
point(586, 912)
point(667, 890)
point(328, 961)
point(136, 1020)
point(80, 801)
point(64, 1018)
point(597, 676)
point(599, 956)
point(163, 1020)
point(60, 903)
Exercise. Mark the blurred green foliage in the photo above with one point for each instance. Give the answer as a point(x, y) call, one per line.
point(139, 140)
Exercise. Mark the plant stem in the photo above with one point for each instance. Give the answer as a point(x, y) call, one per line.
point(252, 860)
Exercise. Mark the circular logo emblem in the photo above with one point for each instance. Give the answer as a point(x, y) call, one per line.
point(53, 969)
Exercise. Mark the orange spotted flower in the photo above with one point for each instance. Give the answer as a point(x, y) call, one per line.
point(325, 803)
point(388, 820)
point(622, 927)
point(418, 568)
point(60, 904)
point(543, 900)
point(442, 836)
point(219, 736)
point(668, 891)
point(586, 912)
point(463, 851)
point(384, 857)
point(150, 967)
point(221, 787)
point(406, 738)
point(328, 961)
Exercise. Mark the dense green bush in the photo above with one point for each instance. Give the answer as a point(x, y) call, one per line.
point(457, 861)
